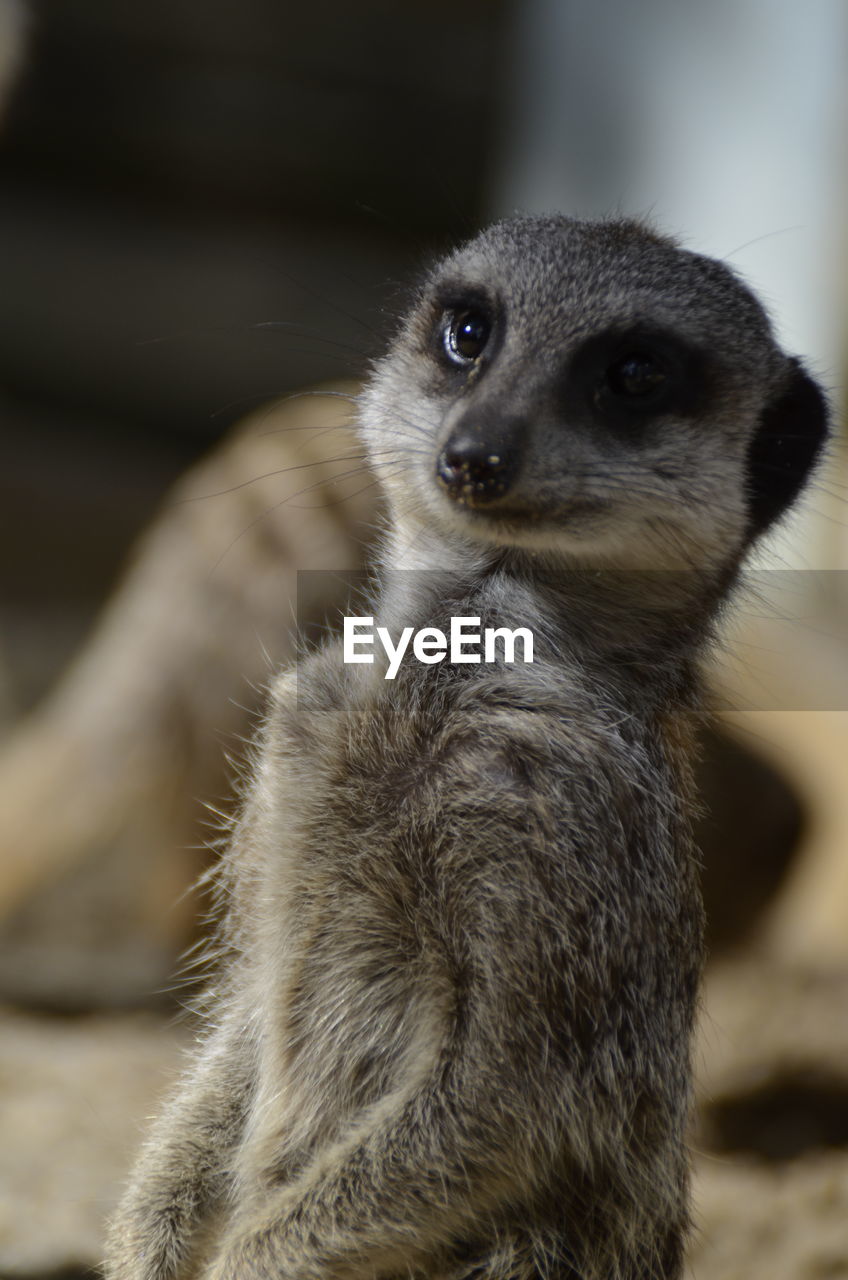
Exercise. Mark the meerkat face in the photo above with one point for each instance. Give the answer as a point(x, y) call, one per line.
point(593, 392)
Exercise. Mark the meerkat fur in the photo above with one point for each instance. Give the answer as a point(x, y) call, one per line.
point(451, 1035)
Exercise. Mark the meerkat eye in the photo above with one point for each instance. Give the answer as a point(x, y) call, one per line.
point(465, 336)
point(636, 376)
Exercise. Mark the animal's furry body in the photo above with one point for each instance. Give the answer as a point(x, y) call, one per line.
point(452, 1034)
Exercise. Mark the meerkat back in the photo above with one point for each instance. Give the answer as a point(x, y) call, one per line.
point(462, 933)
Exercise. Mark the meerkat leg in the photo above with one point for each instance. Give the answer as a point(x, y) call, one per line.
point(183, 1173)
point(416, 1177)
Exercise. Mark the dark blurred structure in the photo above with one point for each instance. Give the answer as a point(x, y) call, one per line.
point(204, 206)
point(182, 172)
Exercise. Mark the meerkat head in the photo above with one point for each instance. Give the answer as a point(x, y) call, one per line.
point(592, 392)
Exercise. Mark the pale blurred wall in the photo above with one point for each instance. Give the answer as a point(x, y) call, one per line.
point(725, 123)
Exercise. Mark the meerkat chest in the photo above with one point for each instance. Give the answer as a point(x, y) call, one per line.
point(389, 817)
point(395, 828)
point(343, 965)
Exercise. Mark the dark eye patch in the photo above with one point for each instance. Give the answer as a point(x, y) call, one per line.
point(628, 377)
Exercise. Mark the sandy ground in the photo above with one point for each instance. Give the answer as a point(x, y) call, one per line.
point(74, 1098)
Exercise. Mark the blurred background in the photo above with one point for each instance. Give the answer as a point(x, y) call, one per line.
point(207, 207)
point(174, 176)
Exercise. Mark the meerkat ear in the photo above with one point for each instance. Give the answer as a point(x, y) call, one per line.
point(789, 439)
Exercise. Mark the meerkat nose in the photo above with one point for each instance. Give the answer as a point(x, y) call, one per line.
point(475, 471)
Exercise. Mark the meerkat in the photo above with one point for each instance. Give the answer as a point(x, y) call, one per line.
point(462, 934)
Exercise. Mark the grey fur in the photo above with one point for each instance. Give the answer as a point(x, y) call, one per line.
point(451, 1037)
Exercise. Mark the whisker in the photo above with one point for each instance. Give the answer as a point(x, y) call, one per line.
point(329, 394)
point(768, 235)
point(266, 475)
point(288, 500)
point(302, 331)
point(335, 502)
point(328, 302)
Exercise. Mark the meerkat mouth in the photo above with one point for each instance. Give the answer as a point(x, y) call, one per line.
point(520, 514)
point(546, 526)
